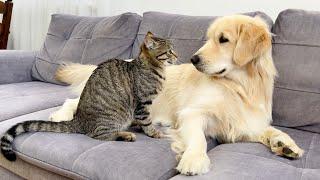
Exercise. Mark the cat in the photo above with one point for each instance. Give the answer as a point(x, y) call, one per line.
point(116, 96)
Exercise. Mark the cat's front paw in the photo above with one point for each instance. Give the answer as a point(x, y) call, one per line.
point(59, 116)
point(193, 164)
point(152, 132)
point(157, 134)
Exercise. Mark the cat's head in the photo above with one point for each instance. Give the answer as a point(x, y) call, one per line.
point(158, 49)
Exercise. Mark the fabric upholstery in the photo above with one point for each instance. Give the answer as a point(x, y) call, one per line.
point(84, 40)
point(296, 54)
point(147, 158)
point(15, 66)
point(188, 33)
point(83, 157)
point(28, 167)
point(95, 39)
point(22, 98)
point(253, 161)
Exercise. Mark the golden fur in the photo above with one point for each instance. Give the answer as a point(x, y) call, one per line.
point(232, 105)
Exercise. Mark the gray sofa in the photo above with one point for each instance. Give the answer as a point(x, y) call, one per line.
point(29, 91)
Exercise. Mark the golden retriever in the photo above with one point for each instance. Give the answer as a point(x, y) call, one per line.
point(225, 93)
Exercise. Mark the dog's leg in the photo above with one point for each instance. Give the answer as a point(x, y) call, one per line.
point(279, 142)
point(66, 112)
point(191, 138)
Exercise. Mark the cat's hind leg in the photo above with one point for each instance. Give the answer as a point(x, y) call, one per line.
point(112, 128)
point(125, 136)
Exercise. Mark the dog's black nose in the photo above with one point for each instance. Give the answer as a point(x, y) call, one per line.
point(195, 59)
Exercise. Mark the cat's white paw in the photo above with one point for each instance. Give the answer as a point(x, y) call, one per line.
point(59, 116)
point(194, 164)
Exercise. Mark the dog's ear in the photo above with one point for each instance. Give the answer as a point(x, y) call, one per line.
point(253, 41)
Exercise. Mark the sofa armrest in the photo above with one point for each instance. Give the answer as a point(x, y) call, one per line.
point(16, 65)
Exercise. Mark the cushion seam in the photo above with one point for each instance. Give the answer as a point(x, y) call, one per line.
point(40, 77)
point(135, 39)
point(266, 158)
point(35, 64)
point(167, 173)
point(66, 40)
point(173, 38)
point(309, 149)
point(54, 63)
point(84, 49)
point(34, 94)
point(28, 113)
point(173, 25)
point(74, 162)
point(87, 40)
point(30, 136)
point(93, 37)
point(41, 59)
point(60, 51)
point(298, 90)
point(298, 128)
point(296, 44)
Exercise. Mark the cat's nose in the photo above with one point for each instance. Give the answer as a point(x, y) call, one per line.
point(195, 59)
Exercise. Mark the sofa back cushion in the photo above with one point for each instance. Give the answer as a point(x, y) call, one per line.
point(87, 40)
point(296, 52)
point(188, 33)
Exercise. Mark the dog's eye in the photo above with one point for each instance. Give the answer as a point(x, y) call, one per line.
point(222, 39)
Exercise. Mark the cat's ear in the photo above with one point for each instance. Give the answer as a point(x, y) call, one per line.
point(149, 41)
point(149, 34)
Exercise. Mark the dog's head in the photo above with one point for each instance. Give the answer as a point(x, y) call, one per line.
point(233, 42)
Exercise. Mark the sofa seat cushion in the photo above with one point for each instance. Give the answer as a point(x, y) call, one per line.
point(22, 98)
point(86, 40)
point(146, 158)
point(80, 157)
point(255, 161)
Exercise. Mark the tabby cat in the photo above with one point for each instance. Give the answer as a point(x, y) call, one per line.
point(116, 96)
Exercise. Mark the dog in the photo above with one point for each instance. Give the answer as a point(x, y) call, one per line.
point(225, 93)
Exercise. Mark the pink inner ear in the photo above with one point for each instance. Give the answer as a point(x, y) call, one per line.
point(148, 42)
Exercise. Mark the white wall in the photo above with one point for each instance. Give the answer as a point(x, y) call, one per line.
point(208, 7)
point(31, 18)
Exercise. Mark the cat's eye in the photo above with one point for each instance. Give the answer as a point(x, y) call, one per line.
point(163, 56)
point(223, 39)
point(173, 53)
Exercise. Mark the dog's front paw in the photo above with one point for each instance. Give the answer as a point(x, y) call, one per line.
point(283, 145)
point(59, 116)
point(193, 164)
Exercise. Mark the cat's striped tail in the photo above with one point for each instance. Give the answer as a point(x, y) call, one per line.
point(33, 126)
